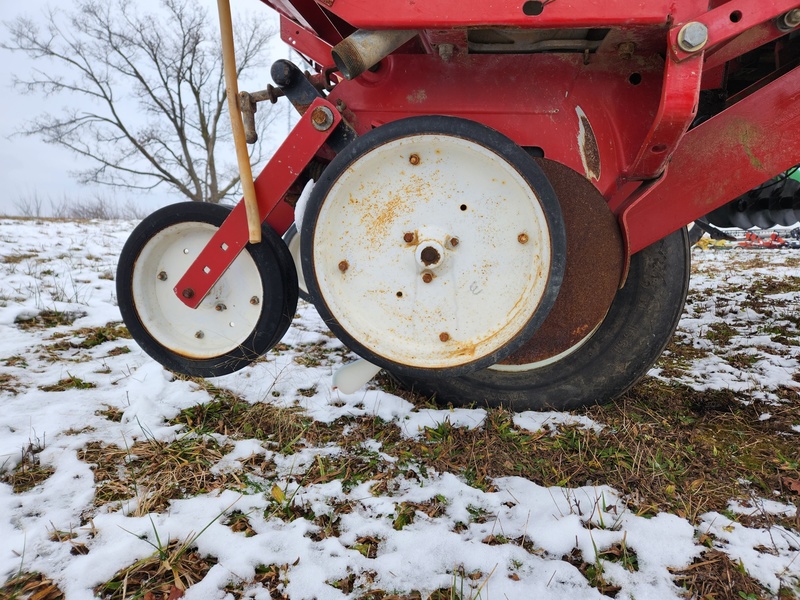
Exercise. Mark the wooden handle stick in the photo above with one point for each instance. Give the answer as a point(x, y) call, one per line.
point(232, 89)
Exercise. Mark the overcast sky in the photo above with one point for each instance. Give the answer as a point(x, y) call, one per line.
point(28, 165)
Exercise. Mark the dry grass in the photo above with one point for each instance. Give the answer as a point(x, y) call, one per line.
point(714, 576)
point(162, 576)
point(156, 472)
point(30, 586)
point(50, 318)
point(29, 472)
point(10, 384)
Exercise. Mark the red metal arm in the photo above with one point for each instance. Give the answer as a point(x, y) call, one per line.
point(271, 186)
point(754, 139)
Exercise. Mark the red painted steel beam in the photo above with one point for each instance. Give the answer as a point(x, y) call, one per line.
point(273, 182)
point(724, 157)
point(745, 42)
point(306, 42)
point(309, 15)
point(445, 14)
point(730, 20)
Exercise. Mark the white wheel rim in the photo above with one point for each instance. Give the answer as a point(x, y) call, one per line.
point(224, 319)
point(482, 291)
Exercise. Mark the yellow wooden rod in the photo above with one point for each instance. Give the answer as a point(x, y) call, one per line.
point(232, 89)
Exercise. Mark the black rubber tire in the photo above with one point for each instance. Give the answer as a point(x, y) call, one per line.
point(278, 282)
point(630, 339)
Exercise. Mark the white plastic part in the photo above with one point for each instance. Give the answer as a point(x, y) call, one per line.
point(292, 240)
point(224, 319)
point(302, 202)
point(473, 274)
point(351, 377)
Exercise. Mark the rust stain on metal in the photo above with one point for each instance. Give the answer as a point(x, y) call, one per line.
point(430, 256)
point(587, 143)
point(318, 116)
point(594, 267)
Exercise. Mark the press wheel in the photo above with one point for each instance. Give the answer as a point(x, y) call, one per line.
point(246, 312)
point(433, 246)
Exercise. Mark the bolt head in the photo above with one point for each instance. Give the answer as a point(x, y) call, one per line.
point(454, 242)
point(427, 277)
point(255, 301)
point(444, 336)
point(322, 118)
point(199, 335)
point(408, 237)
point(692, 37)
point(343, 266)
point(522, 238)
point(220, 307)
point(188, 293)
point(414, 159)
point(791, 19)
point(162, 276)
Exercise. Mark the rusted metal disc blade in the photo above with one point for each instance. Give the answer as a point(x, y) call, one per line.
point(593, 271)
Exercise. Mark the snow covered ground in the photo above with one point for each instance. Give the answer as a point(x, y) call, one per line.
point(62, 398)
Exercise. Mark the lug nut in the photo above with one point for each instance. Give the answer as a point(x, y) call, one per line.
point(188, 293)
point(408, 237)
point(444, 336)
point(427, 277)
point(414, 159)
point(522, 238)
point(162, 276)
point(254, 300)
point(343, 266)
point(692, 37)
point(199, 335)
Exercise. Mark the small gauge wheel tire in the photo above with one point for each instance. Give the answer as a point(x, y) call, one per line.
point(634, 333)
point(245, 314)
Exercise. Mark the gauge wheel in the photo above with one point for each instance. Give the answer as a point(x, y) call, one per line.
point(433, 246)
point(639, 324)
point(244, 315)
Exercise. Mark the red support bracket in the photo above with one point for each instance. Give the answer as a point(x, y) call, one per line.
point(304, 141)
point(731, 20)
point(676, 111)
point(720, 159)
point(306, 43)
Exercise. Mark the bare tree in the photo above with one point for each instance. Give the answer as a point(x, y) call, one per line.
point(29, 205)
point(150, 90)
